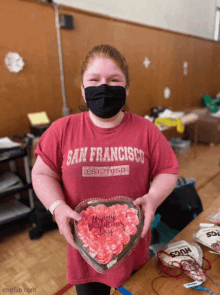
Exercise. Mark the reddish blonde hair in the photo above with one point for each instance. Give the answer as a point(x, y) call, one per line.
point(107, 51)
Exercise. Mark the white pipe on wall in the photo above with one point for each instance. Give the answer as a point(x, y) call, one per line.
point(65, 110)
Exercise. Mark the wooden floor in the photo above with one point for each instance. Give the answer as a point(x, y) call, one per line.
point(39, 266)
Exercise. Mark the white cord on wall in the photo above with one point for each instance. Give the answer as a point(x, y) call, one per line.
point(65, 110)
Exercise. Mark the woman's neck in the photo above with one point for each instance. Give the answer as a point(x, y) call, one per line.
point(107, 123)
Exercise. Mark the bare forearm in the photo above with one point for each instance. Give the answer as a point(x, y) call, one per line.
point(47, 189)
point(47, 186)
point(162, 185)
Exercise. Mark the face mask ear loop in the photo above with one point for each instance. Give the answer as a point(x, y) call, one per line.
point(83, 89)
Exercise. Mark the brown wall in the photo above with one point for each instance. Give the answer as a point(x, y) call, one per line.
point(28, 27)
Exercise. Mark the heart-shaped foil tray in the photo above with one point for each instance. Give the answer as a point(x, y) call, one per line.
point(108, 231)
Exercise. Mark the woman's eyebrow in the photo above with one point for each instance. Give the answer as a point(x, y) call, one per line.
point(116, 75)
point(92, 75)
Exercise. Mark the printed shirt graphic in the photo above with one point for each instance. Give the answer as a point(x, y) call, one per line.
point(103, 163)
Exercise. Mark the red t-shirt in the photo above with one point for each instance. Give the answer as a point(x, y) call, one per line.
point(103, 163)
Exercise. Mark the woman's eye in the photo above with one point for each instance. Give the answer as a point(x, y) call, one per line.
point(94, 79)
point(115, 80)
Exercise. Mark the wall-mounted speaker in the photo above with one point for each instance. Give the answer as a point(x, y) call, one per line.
point(67, 21)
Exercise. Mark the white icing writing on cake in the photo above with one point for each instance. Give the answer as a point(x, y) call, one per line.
point(102, 223)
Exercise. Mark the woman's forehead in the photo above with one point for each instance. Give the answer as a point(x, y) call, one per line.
point(100, 63)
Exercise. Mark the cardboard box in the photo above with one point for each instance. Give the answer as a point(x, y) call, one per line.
point(207, 128)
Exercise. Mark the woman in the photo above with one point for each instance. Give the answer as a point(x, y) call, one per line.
point(103, 153)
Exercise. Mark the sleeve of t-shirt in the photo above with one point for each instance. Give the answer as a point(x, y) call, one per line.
point(162, 156)
point(49, 148)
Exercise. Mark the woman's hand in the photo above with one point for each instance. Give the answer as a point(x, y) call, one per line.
point(62, 214)
point(149, 209)
point(161, 186)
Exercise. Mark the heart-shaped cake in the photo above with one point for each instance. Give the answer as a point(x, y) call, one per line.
point(107, 231)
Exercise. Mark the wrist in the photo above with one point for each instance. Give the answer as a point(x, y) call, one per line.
point(152, 199)
point(55, 205)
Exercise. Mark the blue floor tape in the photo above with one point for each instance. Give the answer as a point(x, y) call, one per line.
point(201, 288)
point(123, 291)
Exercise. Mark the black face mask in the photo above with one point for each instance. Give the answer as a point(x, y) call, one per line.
point(105, 101)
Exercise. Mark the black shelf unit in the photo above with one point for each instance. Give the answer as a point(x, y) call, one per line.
point(14, 208)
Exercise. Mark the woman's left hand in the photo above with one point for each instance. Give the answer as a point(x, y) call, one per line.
point(149, 209)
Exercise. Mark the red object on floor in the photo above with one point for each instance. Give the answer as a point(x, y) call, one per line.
point(64, 289)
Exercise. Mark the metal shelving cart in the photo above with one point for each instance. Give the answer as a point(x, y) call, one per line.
point(12, 184)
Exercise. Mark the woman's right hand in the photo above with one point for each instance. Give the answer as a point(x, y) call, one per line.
point(62, 214)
